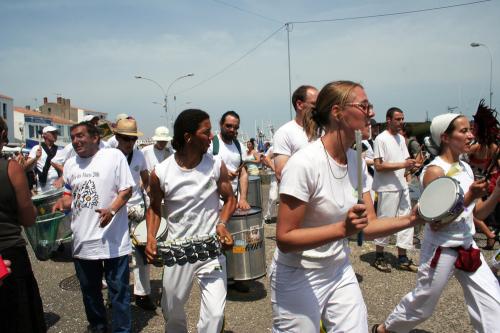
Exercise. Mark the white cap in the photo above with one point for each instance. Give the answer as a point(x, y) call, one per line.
point(49, 129)
point(440, 124)
point(121, 116)
point(162, 134)
point(89, 117)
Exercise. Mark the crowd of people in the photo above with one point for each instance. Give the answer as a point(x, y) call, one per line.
point(192, 187)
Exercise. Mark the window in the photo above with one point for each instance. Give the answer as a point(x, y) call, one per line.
point(4, 109)
point(31, 131)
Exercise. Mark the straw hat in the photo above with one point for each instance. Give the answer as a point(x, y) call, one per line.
point(127, 127)
point(162, 134)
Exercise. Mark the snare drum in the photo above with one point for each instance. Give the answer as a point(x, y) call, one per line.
point(254, 197)
point(139, 234)
point(46, 200)
point(247, 259)
point(442, 201)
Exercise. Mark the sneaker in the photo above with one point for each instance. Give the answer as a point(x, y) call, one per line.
point(406, 264)
point(381, 265)
point(144, 302)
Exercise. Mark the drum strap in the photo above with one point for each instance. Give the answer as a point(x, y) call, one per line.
point(51, 152)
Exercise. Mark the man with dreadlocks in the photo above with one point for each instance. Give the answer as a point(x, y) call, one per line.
point(483, 159)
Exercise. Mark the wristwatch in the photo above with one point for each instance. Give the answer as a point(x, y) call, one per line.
point(113, 213)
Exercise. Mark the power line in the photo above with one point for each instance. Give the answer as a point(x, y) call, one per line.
point(390, 14)
point(234, 62)
point(247, 11)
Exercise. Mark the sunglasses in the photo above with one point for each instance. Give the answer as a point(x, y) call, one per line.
point(126, 138)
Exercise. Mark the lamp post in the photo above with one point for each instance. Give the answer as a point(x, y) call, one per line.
point(165, 93)
point(491, 66)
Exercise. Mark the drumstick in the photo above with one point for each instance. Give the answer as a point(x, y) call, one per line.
point(359, 151)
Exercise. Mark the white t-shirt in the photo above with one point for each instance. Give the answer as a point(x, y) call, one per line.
point(191, 196)
point(94, 183)
point(52, 173)
point(390, 148)
point(112, 142)
point(289, 138)
point(68, 151)
point(137, 165)
point(460, 231)
point(230, 155)
point(154, 156)
point(308, 177)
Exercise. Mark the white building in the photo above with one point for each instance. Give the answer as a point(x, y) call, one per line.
point(6, 112)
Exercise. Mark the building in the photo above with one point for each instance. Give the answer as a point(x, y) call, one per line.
point(62, 109)
point(6, 112)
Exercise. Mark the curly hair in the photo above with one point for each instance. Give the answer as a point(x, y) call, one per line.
point(486, 126)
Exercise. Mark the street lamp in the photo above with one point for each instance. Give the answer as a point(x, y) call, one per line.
point(165, 94)
point(491, 66)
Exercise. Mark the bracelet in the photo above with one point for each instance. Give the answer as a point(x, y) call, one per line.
point(221, 222)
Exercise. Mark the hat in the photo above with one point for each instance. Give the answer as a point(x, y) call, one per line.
point(90, 117)
point(49, 129)
point(127, 127)
point(162, 134)
point(440, 124)
point(121, 116)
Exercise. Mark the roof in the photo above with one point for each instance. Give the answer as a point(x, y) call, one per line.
point(6, 97)
point(55, 119)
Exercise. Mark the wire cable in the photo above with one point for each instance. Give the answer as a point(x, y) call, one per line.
point(247, 11)
point(390, 14)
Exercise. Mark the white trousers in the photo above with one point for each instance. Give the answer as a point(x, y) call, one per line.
point(393, 204)
point(302, 297)
point(481, 291)
point(140, 269)
point(273, 198)
point(177, 282)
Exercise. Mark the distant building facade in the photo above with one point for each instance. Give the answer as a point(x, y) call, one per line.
point(6, 112)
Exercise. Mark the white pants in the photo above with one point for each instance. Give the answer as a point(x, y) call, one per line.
point(140, 269)
point(481, 291)
point(393, 204)
point(302, 297)
point(273, 198)
point(177, 283)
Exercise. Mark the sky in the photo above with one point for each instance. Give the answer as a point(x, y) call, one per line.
point(89, 51)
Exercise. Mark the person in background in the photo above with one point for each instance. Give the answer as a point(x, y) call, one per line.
point(159, 151)
point(98, 184)
point(292, 136)
point(449, 250)
point(268, 160)
point(251, 158)
point(112, 142)
point(40, 159)
point(21, 308)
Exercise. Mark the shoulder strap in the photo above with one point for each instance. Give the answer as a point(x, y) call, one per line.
point(215, 145)
point(238, 146)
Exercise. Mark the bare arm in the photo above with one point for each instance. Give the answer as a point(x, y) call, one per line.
point(256, 155)
point(243, 203)
point(145, 179)
point(26, 210)
point(382, 166)
point(153, 215)
point(226, 192)
point(292, 237)
point(279, 164)
point(116, 205)
point(485, 207)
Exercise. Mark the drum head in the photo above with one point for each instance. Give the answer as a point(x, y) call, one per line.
point(140, 232)
point(251, 211)
point(438, 198)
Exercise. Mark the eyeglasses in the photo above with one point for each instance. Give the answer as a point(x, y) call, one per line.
point(126, 138)
point(365, 107)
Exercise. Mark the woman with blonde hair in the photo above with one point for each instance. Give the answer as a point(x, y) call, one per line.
point(311, 276)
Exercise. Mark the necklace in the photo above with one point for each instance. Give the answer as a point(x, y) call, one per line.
point(340, 204)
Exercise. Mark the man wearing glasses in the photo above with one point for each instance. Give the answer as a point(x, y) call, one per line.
point(126, 134)
point(391, 159)
point(290, 137)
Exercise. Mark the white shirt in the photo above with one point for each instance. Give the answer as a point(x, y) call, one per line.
point(308, 177)
point(460, 231)
point(390, 148)
point(52, 173)
point(191, 196)
point(230, 155)
point(94, 183)
point(112, 142)
point(154, 156)
point(289, 138)
point(137, 165)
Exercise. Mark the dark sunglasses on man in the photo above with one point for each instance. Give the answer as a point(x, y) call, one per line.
point(126, 137)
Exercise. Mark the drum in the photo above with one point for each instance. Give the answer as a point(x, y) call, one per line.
point(42, 235)
point(139, 234)
point(442, 201)
point(266, 177)
point(247, 259)
point(44, 201)
point(254, 197)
